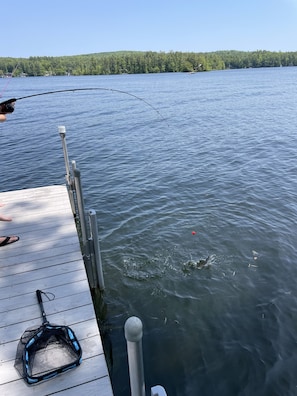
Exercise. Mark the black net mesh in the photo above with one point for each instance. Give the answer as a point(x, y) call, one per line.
point(45, 351)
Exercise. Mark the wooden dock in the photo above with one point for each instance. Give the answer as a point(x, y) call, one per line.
point(46, 257)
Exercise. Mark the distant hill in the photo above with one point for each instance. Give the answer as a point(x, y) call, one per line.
point(135, 62)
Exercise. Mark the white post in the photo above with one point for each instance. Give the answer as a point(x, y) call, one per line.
point(96, 249)
point(158, 390)
point(81, 208)
point(69, 180)
point(62, 132)
point(133, 334)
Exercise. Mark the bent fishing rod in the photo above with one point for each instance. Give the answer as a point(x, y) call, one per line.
point(8, 105)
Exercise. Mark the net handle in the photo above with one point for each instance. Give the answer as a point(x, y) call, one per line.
point(39, 299)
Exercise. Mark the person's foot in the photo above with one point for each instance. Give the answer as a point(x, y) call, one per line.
point(7, 240)
point(5, 218)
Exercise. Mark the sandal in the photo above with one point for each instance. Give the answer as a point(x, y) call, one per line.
point(8, 240)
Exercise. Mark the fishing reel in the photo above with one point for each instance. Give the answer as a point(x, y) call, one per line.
point(7, 106)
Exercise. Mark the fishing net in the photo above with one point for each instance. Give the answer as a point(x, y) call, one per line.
point(46, 350)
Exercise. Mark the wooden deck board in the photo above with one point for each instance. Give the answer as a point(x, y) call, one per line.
point(46, 257)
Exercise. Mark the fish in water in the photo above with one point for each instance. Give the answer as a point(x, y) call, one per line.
point(202, 263)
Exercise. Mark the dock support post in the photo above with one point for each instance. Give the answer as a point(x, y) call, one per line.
point(133, 334)
point(62, 132)
point(69, 179)
point(81, 208)
point(158, 390)
point(96, 254)
point(89, 246)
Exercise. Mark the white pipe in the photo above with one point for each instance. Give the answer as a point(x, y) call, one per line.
point(133, 334)
point(158, 390)
point(96, 247)
point(62, 132)
point(81, 208)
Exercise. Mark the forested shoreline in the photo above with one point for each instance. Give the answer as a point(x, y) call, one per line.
point(134, 62)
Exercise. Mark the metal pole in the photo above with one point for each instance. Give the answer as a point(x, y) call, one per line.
point(69, 180)
point(133, 334)
point(96, 247)
point(62, 132)
point(73, 164)
point(158, 390)
point(81, 208)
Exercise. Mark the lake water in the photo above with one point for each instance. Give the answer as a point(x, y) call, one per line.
point(211, 173)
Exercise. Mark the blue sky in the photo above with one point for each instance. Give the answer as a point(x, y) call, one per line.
point(72, 27)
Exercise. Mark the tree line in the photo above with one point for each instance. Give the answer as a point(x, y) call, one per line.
point(134, 62)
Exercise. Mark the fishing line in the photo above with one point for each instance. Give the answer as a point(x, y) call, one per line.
point(9, 102)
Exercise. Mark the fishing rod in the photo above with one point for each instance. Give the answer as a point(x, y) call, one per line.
point(8, 105)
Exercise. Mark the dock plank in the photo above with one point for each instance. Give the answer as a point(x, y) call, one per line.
point(46, 257)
